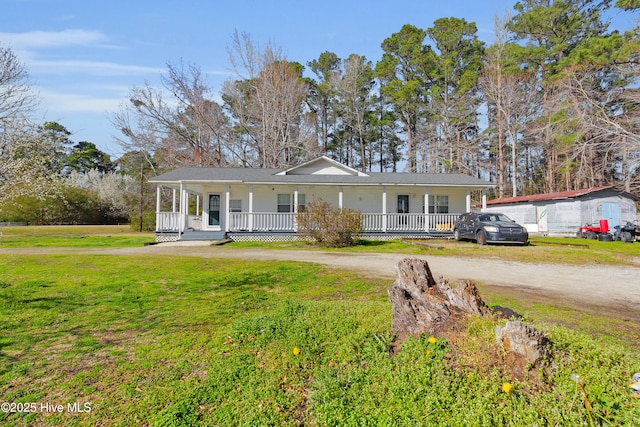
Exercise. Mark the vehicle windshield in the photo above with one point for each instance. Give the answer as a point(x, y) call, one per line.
point(495, 217)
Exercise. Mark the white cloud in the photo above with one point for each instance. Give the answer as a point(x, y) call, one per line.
point(30, 47)
point(48, 39)
point(100, 68)
point(68, 102)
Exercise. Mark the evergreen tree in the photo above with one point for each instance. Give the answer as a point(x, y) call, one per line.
point(403, 72)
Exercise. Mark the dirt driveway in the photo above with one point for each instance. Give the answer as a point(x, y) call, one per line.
point(603, 289)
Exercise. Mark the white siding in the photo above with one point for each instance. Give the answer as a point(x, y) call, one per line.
point(367, 199)
point(324, 170)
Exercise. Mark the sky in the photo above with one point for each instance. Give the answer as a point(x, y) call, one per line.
point(84, 57)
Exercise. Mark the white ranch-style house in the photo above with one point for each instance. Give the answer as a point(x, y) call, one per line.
point(262, 204)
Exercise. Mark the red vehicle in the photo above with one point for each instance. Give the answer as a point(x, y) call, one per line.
point(589, 232)
point(593, 232)
point(627, 233)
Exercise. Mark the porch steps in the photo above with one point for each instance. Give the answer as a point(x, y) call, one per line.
point(190, 235)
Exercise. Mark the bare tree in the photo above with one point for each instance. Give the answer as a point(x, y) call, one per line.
point(511, 96)
point(606, 121)
point(16, 95)
point(199, 122)
point(189, 129)
point(267, 101)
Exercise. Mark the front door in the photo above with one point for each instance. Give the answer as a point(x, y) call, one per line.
point(403, 208)
point(403, 203)
point(214, 210)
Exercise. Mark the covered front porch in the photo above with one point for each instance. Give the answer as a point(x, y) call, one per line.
point(259, 222)
point(211, 222)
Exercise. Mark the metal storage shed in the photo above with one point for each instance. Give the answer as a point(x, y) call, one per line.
point(563, 213)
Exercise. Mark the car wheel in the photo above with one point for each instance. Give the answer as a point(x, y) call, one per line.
point(480, 238)
point(456, 234)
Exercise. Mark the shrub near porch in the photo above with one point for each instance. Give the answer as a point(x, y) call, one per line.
point(329, 226)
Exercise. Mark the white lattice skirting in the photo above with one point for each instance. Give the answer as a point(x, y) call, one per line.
point(174, 237)
point(163, 238)
point(295, 237)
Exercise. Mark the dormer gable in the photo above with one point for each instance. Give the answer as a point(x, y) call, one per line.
point(322, 166)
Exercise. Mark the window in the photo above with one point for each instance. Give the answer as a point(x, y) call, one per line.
point(285, 202)
point(235, 205)
point(438, 204)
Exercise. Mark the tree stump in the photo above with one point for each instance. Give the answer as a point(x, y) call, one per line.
point(422, 305)
point(525, 341)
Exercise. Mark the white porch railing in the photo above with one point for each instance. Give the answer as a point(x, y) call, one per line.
point(408, 222)
point(286, 222)
point(169, 221)
point(371, 222)
point(261, 221)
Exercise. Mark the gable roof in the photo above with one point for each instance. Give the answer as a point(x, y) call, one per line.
point(321, 166)
point(320, 171)
point(560, 195)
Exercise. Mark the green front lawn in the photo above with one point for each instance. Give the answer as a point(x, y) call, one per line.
point(158, 341)
point(75, 236)
point(558, 250)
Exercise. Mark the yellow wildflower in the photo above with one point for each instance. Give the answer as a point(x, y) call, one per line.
point(506, 387)
point(433, 340)
point(296, 350)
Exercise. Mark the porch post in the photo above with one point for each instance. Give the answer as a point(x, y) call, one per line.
point(173, 202)
point(468, 201)
point(384, 209)
point(340, 193)
point(183, 218)
point(185, 215)
point(198, 204)
point(484, 199)
point(158, 208)
point(295, 209)
point(426, 208)
point(227, 198)
point(251, 208)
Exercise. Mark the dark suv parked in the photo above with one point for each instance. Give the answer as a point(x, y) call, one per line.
point(489, 227)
